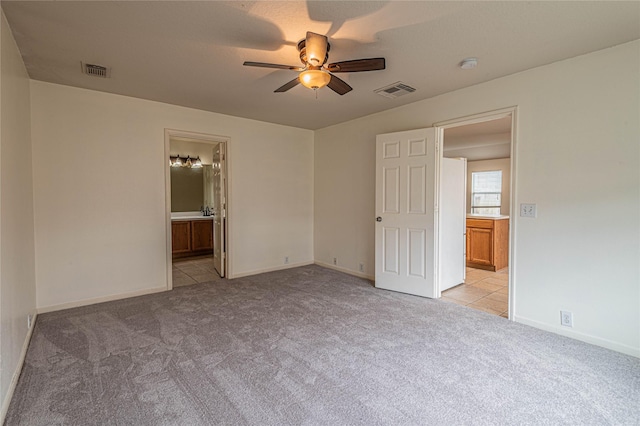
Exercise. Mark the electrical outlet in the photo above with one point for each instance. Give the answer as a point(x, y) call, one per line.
point(335, 260)
point(29, 321)
point(362, 267)
point(527, 210)
point(286, 259)
point(566, 318)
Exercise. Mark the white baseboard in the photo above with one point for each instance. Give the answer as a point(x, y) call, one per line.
point(93, 301)
point(588, 338)
point(17, 371)
point(275, 268)
point(345, 270)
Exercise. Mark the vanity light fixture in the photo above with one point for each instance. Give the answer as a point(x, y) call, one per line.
point(177, 161)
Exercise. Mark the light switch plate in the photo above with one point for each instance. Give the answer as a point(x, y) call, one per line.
point(527, 210)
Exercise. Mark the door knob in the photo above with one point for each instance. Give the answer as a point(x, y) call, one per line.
point(378, 219)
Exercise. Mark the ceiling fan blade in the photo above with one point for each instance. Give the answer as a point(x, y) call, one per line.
point(277, 66)
point(316, 48)
point(356, 65)
point(289, 85)
point(338, 85)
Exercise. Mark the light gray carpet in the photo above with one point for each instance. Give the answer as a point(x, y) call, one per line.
point(311, 346)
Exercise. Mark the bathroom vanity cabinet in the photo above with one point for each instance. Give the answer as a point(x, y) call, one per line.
point(488, 243)
point(191, 237)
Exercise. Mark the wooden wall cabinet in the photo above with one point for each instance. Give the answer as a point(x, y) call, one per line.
point(191, 238)
point(488, 243)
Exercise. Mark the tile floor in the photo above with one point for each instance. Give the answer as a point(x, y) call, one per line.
point(483, 290)
point(194, 270)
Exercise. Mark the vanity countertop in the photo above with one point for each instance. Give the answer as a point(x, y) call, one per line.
point(479, 216)
point(175, 216)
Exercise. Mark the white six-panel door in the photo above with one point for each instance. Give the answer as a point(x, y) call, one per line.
point(406, 212)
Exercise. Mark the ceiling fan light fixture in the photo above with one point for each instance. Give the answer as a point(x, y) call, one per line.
point(469, 63)
point(314, 79)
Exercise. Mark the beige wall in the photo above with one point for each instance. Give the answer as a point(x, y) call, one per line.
point(577, 157)
point(101, 233)
point(503, 164)
point(17, 261)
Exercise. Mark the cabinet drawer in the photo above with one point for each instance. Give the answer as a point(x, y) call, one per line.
point(480, 223)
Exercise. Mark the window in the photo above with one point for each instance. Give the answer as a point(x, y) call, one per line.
point(486, 192)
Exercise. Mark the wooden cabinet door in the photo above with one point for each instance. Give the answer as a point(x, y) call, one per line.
point(180, 237)
point(201, 235)
point(480, 248)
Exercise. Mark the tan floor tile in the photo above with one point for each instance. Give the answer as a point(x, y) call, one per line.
point(484, 309)
point(487, 291)
point(182, 279)
point(499, 297)
point(486, 285)
point(192, 269)
point(451, 300)
point(471, 279)
point(474, 277)
point(209, 268)
point(480, 272)
point(503, 290)
point(203, 278)
point(505, 315)
point(495, 305)
point(466, 293)
point(501, 275)
point(497, 281)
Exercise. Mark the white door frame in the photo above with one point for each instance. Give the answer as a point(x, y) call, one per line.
point(480, 118)
point(200, 138)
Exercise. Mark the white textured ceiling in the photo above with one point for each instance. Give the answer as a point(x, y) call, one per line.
point(190, 53)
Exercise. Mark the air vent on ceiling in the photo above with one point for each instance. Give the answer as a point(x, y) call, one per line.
point(96, 70)
point(395, 90)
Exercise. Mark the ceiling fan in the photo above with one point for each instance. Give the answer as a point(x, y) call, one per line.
point(314, 53)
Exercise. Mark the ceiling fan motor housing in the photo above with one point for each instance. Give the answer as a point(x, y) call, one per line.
point(303, 53)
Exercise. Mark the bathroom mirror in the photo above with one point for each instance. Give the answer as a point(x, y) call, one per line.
point(191, 188)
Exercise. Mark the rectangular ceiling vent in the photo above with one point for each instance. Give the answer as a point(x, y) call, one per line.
point(395, 90)
point(96, 70)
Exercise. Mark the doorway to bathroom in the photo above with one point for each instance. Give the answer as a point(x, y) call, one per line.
point(197, 206)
